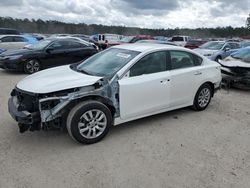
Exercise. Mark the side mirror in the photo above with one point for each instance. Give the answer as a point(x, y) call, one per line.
point(49, 49)
point(227, 49)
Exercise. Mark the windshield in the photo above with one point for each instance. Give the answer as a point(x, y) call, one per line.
point(108, 62)
point(40, 45)
point(212, 45)
point(243, 54)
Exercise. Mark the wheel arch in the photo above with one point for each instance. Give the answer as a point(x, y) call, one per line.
point(30, 58)
point(211, 84)
point(107, 102)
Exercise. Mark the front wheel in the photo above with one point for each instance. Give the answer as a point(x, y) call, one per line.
point(32, 66)
point(202, 97)
point(89, 122)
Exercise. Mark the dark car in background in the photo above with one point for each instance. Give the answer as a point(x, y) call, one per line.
point(8, 31)
point(46, 53)
point(156, 42)
point(133, 39)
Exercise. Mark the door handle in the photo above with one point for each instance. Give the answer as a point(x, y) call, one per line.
point(198, 73)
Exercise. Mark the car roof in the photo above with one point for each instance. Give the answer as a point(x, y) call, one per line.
point(144, 47)
point(1, 36)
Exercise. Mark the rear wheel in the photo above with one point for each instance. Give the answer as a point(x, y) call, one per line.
point(32, 66)
point(202, 97)
point(89, 122)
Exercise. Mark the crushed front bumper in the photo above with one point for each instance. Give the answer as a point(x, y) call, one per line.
point(231, 79)
point(25, 119)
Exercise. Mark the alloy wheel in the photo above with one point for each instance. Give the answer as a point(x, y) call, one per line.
point(32, 66)
point(204, 97)
point(92, 123)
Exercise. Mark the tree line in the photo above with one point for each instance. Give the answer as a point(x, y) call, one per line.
point(52, 27)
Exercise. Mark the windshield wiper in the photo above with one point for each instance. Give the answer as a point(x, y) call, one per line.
point(83, 71)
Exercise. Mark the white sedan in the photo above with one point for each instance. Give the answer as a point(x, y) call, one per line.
point(117, 85)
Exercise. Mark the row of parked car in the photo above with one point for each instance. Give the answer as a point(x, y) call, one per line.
point(30, 53)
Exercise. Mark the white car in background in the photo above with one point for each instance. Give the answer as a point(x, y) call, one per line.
point(117, 85)
point(14, 42)
point(180, 40)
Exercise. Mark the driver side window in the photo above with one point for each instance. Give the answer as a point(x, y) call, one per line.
point(151, 63)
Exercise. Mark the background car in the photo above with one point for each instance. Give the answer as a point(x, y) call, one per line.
point(46, 53)
point(180, 40)
point(133, 39)
point(236, 69)
point(194, 43)
point(9, 31)
point(217, 50)
point(13, 42)
point(78, 39)
point(104, 41)
point(156, 42)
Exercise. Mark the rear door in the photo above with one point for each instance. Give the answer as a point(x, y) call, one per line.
point(77, 51)
point(145, 89)
point(185, 77)
point(56, 55)
point(19, 42)
point(7, 42)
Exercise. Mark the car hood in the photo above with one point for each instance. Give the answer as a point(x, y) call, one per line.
point(205, 51)
point(231, 62)
point(56, 79)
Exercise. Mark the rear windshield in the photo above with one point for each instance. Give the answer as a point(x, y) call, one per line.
point(177, 39)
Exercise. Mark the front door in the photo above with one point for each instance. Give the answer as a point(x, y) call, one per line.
point(145, 89)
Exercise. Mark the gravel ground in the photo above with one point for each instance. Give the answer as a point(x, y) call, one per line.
point(177, 149)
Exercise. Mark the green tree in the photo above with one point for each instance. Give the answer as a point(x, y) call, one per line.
point(248, 22)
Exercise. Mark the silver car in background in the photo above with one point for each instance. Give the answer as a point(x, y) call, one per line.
point(217, 50)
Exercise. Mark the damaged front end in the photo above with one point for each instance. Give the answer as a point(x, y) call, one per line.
point(238, 77)
point(49, 111)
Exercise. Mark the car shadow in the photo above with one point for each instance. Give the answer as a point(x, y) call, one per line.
point(12, 72)
point(137, 124)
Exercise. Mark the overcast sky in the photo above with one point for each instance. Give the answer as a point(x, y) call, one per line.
point(139, 13)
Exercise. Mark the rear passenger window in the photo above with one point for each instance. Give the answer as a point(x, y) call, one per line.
point(234, 45)
point(152, 63)
point(73, 44)
point(180, 59)
point(20, 39)
point(7, 39)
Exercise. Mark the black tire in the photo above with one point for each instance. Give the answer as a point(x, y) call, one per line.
point(207, 91)
point(31, 66)
point(218, 58)
point(75, 118)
